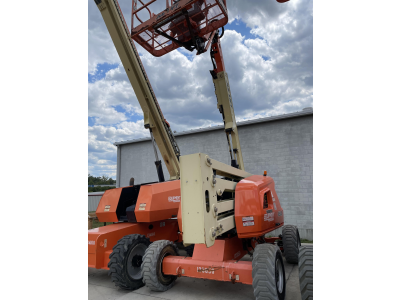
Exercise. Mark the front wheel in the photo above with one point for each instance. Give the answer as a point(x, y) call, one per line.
point(153, 276)
point(269, 282)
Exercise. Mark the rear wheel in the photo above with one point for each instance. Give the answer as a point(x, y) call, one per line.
point(269, 282)
point(291, 243)
point(153, 276)
point(306, 272)
point(125, 261)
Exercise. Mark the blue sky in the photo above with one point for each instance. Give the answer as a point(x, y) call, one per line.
point(101, 71)
point(239, 26)
point(268, 52)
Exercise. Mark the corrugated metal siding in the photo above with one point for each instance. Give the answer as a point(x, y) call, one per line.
point(94, 202)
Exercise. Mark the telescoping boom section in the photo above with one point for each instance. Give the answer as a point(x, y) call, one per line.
point(153, 117)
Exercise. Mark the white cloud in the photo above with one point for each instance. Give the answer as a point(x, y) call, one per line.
point(270, 73)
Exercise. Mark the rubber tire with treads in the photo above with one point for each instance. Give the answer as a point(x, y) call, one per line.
point(264, 263)
point(152, 274)
point(306, 272)
point(291, 243)
point(119, 260)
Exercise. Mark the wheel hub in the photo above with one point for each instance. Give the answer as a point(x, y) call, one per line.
point(279, 280)
point(137, 261)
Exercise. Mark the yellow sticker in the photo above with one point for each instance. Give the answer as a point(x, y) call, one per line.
point(107, 208)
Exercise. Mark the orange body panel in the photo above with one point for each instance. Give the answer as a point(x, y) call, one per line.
point(101, 240)
point(256, 215)
point(218, 262)
point(222, 271)
point(107, 209)
point(222, 250)
point(158, 201)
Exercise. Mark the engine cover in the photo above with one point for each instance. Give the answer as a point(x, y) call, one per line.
point(158, 201)
point(257, 207)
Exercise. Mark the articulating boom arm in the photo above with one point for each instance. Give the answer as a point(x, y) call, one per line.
point(225, 105)
point(153, 117)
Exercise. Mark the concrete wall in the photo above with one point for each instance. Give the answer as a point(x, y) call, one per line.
point(283, 147)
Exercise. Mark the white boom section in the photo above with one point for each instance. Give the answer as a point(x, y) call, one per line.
point(225, 106)
point(153, 117)
point(203, 217)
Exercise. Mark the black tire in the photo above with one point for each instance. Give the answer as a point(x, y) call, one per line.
point(291, 243)
point(125, 261)
point(152, 274)
point(306, 272)
point(269, 281)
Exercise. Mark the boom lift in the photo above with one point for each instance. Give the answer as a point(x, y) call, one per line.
point(221, 209)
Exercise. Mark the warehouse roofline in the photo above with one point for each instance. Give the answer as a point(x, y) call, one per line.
point(305, 112)
point(95, 194)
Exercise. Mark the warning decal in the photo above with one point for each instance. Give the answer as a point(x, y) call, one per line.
point(269, 216)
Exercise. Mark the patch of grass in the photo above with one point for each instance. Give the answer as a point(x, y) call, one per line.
point(97, 224)
point(306, 241)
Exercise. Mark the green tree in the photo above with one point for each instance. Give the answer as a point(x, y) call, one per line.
point(103, 180)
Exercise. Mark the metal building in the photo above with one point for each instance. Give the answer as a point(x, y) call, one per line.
point(282, 145)
point(94, 199)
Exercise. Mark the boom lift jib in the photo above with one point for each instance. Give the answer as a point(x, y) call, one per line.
point(154, 120)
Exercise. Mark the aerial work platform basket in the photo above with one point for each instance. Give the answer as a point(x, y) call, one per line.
point(184, 23)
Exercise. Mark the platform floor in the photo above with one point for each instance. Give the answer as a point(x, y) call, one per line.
point(101, 287)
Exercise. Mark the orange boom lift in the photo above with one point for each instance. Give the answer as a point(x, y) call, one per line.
point(220, 212)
